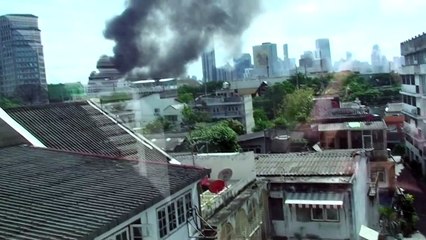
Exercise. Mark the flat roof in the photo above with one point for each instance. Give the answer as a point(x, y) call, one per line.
point(375, 125)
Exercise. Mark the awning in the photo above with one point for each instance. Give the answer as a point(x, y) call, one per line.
point(307, 200)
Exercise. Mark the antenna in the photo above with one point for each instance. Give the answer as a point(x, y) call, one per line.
point(225, 174)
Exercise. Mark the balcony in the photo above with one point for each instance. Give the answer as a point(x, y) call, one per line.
point(227, 114)
point(211, 202)
point(408, 89)
point(409, 110)
point(211, 101)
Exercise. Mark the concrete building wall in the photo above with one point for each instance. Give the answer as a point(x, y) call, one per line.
point(149, 219)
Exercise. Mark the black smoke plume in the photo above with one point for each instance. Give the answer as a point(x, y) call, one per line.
point(158, 38)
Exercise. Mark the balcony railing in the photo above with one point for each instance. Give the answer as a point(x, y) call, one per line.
point(210, 201)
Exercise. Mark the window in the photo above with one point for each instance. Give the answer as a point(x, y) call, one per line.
point(303, 214)
point(172, 215)
point(317, 214)
point(331, 214)
point(276, 208)
point(181, 211)
point(162, 222)
point(171, 210)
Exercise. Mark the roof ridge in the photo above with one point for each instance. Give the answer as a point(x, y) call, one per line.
point(47, 105)
point(116, 158)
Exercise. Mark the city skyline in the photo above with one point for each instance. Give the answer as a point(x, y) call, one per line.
point(72, 46)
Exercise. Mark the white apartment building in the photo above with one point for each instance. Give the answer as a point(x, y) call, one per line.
point(413, 93)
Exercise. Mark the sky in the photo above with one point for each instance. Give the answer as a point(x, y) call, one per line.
point(72, 30)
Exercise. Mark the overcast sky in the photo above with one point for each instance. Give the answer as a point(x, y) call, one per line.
point(73, 40)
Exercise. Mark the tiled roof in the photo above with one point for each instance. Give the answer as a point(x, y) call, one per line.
point(80, 127)
point(326, 163)
point(52, 194)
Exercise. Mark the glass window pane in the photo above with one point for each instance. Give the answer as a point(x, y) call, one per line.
point(317, 214)
point(332, 214)
point(303, 214)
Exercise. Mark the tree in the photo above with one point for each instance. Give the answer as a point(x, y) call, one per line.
point(298, 106)
point(58, 93)
point(215, 138)
point(8, 103)
point(29, 93)
point(186, 97)
point(261, 121)
point(159, 125)
point(235, 125)
point(191, 117)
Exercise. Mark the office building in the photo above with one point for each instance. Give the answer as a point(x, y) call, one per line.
point(323, 49)
point(22, 69)
point(266, 60)
point(413, 90)
point(209, 66)
point(240, 65)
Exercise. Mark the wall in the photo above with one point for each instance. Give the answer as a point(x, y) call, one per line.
point(145, 107)
point(325, 230)
point(362, 209)
point(241, 164)
point(149, 218)
point(248, 112)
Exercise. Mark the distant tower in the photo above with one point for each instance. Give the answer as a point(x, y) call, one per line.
point(377, 59)
point(22, 59)
point(209, 66)
point(265, 59)
point(285, 51)
point(323, 48)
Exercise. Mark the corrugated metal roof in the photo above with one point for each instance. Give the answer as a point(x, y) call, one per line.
point(50, 194)
point(79, 127)
point(326, 163)
point(376, 125)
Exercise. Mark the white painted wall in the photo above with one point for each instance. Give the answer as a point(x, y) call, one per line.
point(242, 164)
point(360, 184)
point(248, 112)
point(145, 107)
point(325, 230)
point(149, 218)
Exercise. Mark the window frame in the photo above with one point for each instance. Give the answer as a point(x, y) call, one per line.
point(317, 219)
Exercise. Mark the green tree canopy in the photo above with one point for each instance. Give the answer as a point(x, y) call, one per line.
point(298, 106)
point(218, 137)
point(235, 125)
point(191, 117)
point(8, 103)
point(159, 125)
point(261, 120)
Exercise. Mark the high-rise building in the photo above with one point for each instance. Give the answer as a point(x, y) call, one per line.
point(22, 70)
point(413, 92)
point(266, 60)
point(285, 51)
point(241, 64)
point(209, 66)
point(323, 48)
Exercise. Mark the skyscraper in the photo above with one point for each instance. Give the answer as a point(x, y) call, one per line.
point(285, 51)
point(22, 70)
point(265, 60)
point(323, 48)
point(241, 64)
point(209, 66)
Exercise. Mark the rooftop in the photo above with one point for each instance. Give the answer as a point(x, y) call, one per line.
point(325, 163)
point(82, 127)
point(52, 194)
point(375, 125)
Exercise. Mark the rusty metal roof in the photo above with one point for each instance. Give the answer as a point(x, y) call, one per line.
point(326, 163)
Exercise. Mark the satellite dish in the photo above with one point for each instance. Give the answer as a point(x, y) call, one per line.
point(225, 174)
point(216, 186)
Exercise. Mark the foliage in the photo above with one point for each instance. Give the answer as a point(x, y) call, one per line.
point(191, 117)
point(8, 103)
point(298, 106)
point(29, 93)
point(159, 125)
point(373, 90)
point(116, 97)
point(235, 125)
point(218, 137)
point(186, 97)
point(261, 120)
point(185, 92)
point(64, 92)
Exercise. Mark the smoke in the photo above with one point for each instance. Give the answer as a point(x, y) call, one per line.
point(158, 38)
